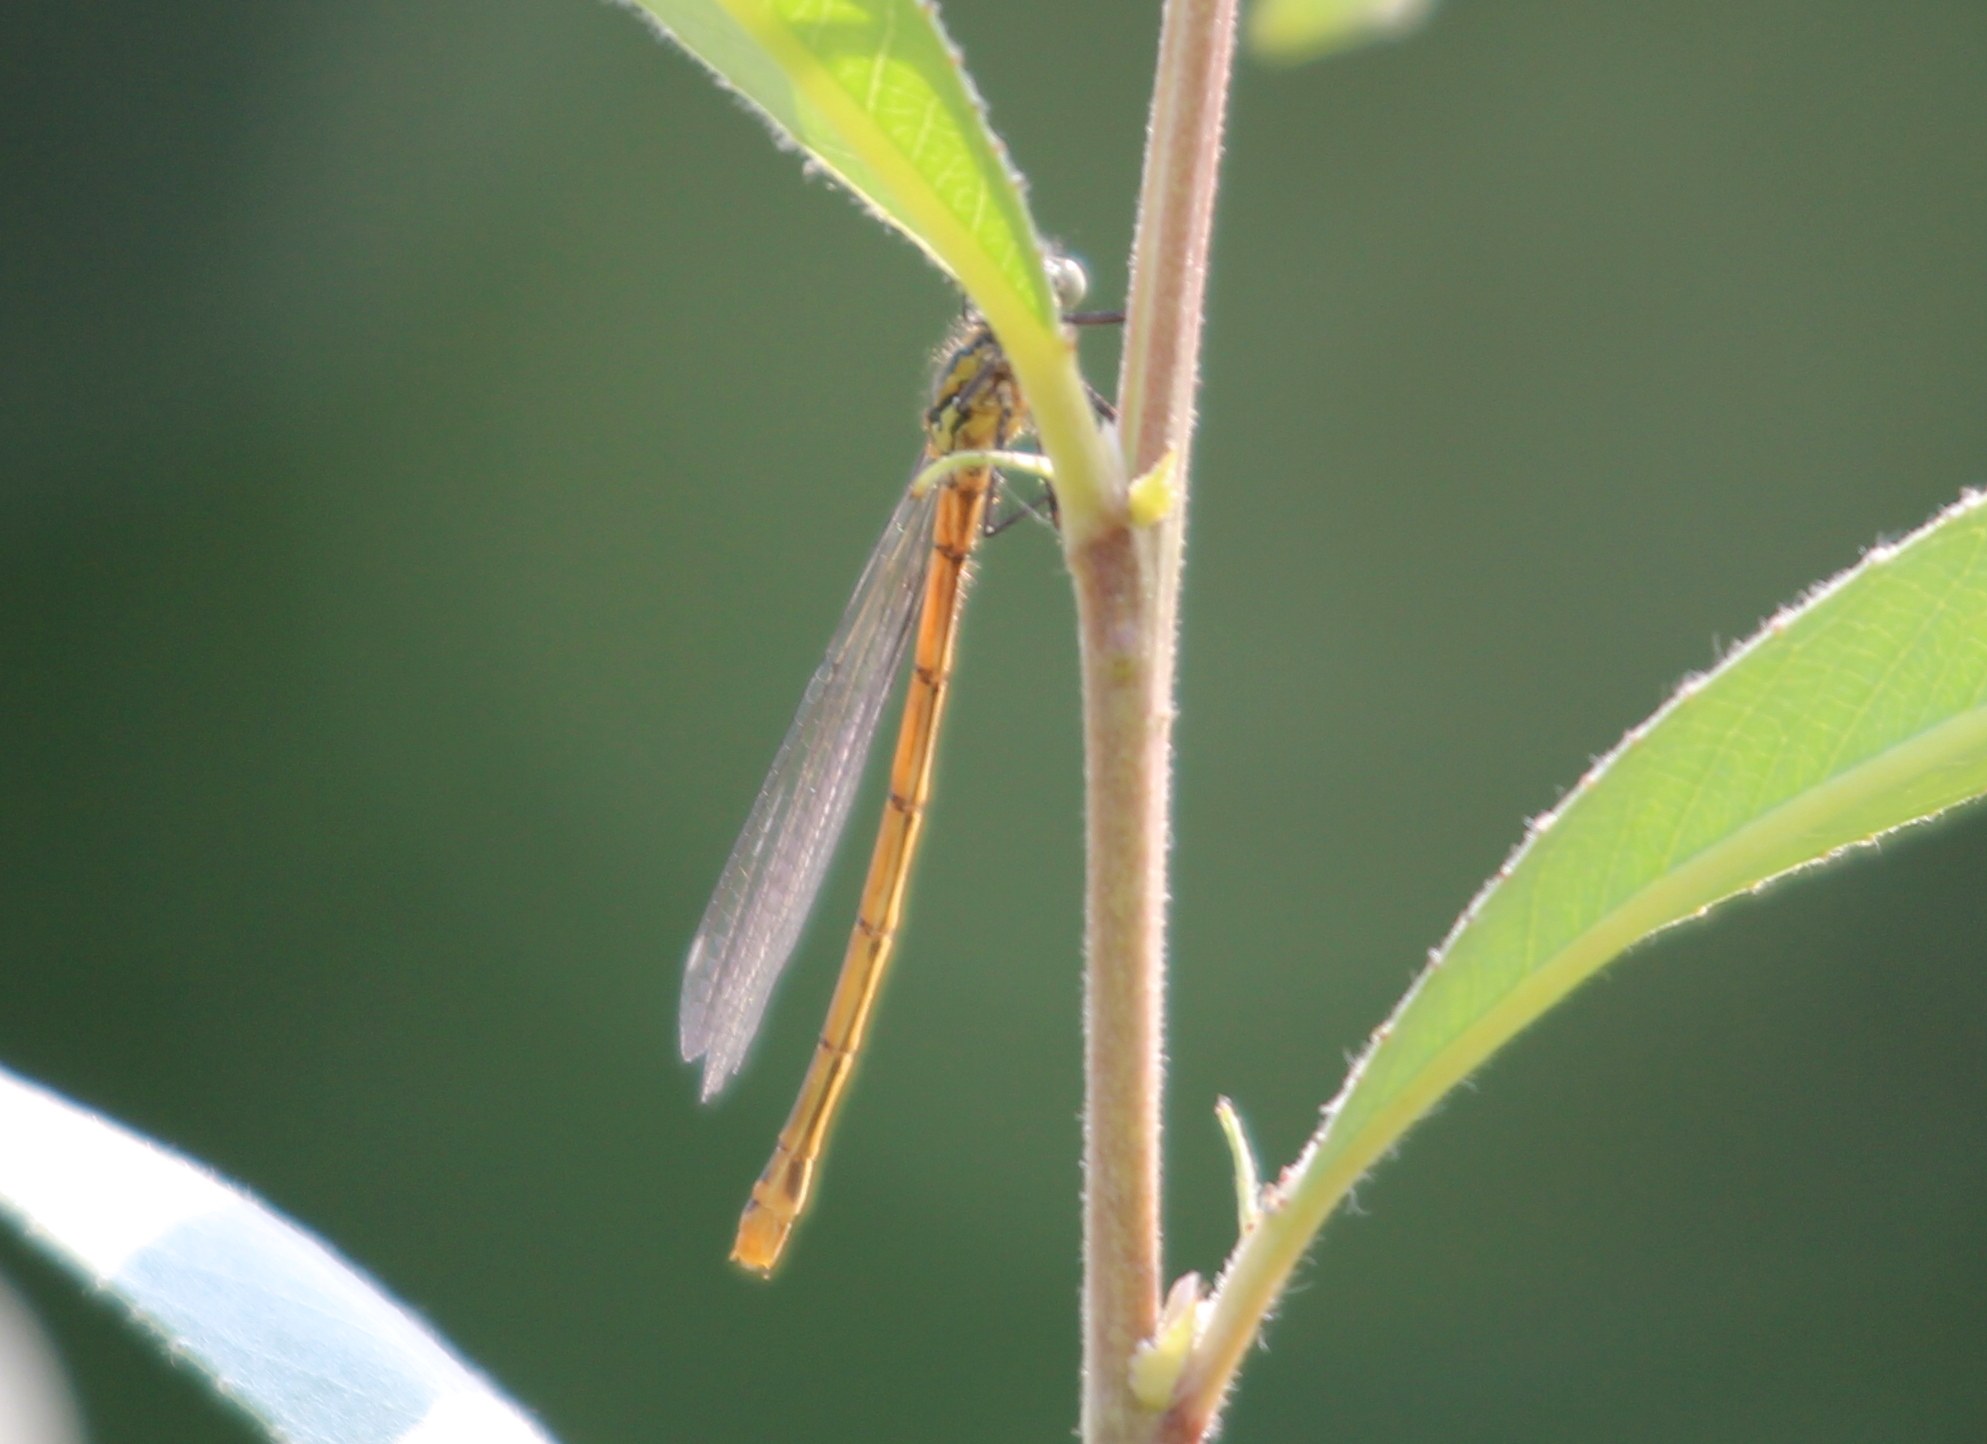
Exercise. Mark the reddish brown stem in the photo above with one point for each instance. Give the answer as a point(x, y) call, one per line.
point(1127, 582)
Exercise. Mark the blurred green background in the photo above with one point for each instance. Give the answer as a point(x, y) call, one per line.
point(439, 438)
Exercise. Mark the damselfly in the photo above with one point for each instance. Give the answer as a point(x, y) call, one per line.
point(912, 587)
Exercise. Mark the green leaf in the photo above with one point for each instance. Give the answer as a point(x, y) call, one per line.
point(1861, 709)
point(875, 94)
point(873, 91)
point(1288, 31)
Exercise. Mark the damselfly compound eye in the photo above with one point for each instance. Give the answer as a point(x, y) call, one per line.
point(1068, 280)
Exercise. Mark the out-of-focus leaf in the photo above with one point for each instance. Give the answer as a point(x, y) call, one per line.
point(298, 1337)
point(1288, 31)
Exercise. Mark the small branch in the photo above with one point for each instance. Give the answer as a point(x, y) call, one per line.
point(1127, 588)
point(1256, 1275)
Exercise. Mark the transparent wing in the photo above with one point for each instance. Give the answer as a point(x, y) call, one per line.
point(775, 870)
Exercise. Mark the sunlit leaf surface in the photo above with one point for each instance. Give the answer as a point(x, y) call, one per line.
point(1859, 710)
point(873, 91)
point(296, 1336)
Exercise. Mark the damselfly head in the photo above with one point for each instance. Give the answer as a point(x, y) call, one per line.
point(976, 403)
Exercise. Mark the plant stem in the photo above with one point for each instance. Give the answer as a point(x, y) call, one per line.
point(1127, 589)
point(1125, 737)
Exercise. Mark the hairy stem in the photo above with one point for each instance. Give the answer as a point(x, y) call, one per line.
point(1126, 739)
point(1127, 587)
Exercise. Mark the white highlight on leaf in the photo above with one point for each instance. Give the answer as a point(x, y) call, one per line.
point(97, 1193)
